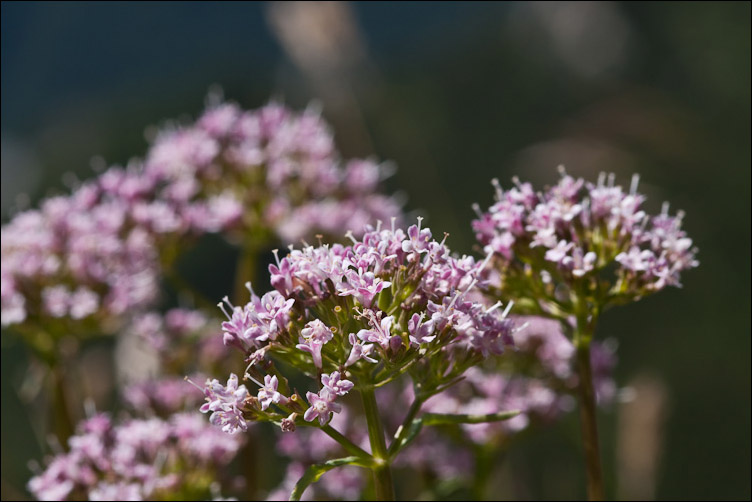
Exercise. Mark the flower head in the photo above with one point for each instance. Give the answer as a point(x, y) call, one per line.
point(580, 229)
point(135, 459)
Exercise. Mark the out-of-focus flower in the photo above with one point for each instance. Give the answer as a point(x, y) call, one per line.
point(138, 459)
point(226, 403)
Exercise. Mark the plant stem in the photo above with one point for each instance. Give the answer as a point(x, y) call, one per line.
point(582, 337)
point(62, 423)
point(488, 457)
point(382, 473)
point(348, 445)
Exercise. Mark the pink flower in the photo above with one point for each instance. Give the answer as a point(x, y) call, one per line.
point(379, 332)
point(322, 406)
point(225, 403)
point(316, 335)
point(335, 385)
point(420, 332)
point(359, 351)
point(268, 393)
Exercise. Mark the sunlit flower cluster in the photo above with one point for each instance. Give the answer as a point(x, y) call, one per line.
point(579, 234)
point(391, 302)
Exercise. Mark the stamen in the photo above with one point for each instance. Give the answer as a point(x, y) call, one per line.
point(222, 307)
point(477, 210)
point(520, 328)
point(247, 376)
point(250, 289)
point(635, 181)
point(350, 236)
point(487, 259)
point(497, 187)
point(226, 299)
point(493, 307)
point(664, 209)
point(193, 383)
point(509, 307)
point(446, 234)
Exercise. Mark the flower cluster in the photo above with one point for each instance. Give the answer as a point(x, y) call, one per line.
point(80, 258)
point(263, 175)
point(138, 459)
point(577, 232)
point(363, 314)
point(265, 172)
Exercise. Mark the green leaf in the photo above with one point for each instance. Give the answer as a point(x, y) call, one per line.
point(314, 472)
point(415, 428)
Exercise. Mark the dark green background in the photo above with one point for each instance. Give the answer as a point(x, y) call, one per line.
point(454, 94)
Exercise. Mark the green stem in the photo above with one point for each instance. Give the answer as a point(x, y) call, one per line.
point(487, 458)
point(348, 445)
point(62, 423)
point(382, 473)
point(582, 337)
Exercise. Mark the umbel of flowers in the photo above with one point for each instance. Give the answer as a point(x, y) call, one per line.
point(573, 250)
point(352, 319)
point(258, 176)
point(180, 458)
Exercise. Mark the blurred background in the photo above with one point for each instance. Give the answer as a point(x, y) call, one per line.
point(454, 94)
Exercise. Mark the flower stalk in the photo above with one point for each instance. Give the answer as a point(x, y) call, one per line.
point(62, 422)
point(583, 335)
point(382, 472)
